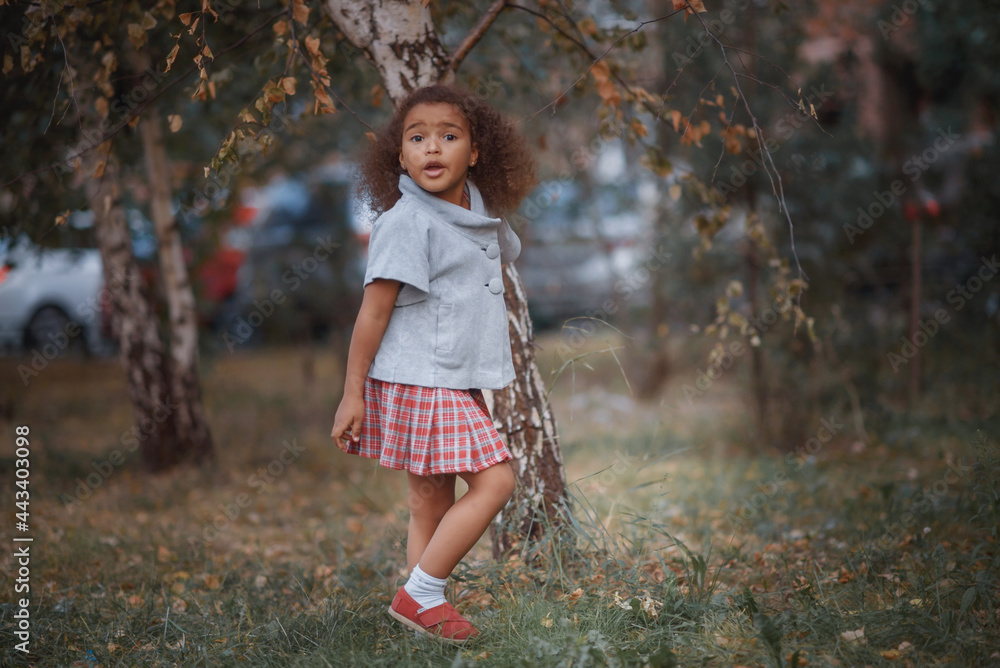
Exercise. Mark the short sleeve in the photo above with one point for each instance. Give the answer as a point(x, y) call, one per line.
point(398, 249)
point(510, 245)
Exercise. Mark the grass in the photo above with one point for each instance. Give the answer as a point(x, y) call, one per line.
point(682, 549)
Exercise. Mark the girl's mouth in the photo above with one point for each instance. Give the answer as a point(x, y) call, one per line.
point(433, 169)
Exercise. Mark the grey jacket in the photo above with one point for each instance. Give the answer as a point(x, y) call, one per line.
point(449, 324)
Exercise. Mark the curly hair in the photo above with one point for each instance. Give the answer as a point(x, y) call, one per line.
point(504, 172)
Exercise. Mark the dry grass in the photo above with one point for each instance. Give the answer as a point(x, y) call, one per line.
point(222, 566)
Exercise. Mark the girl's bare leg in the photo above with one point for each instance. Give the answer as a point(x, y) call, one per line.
point(465, 521)
point(430, 497)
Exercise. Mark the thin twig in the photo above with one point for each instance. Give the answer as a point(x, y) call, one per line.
point(72, 88)
point(594, 58)
point(777, 187)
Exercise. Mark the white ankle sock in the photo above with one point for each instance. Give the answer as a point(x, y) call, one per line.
point(425, 589)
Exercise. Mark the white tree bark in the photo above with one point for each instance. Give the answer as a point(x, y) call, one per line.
point(193, 435)
point(398, 36)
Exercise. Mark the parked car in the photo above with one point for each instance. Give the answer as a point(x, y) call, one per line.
point(577, 245)
point(50, 300)
point(301, 277)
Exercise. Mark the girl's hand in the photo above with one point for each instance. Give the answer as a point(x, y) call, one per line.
point(347, 423)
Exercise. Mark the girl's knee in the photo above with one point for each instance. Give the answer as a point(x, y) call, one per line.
point(506, 482)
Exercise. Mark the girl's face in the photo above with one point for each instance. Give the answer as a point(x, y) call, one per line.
point(437, 149)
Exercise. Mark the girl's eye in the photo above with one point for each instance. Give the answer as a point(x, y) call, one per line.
point(416, 138)
point(450, 137)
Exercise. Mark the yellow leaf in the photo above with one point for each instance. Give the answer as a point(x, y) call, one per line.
point(281, 27)
point(207, 52)
point(675, 117)
point(99, 169)
point(206, 6)
point(609, 93)
point(136, 35)
point(175, 122)
point(300, 12)
point(172, 57)
point(601, 71)
point(288, 84)
point(8, 63)
point(148, 21)
point(547, 621)
point(61, 218)
point(675, 191)
point(638, 127)
point(587, 26)
point(101, 105)
point(697, 5)
point(186, 17)
point(312, 46)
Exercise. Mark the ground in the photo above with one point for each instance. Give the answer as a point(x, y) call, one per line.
point(685, 546)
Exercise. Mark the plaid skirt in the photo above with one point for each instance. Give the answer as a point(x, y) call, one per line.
point(428, 430)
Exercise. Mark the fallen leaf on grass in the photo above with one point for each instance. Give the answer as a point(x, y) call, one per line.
point(621, 603)
point(854, 636)
point(547, 621)
point(574, 595)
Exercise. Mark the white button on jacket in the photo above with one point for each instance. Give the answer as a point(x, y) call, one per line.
point(449, 324)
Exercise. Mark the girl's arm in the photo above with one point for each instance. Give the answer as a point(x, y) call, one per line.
point(373, 318)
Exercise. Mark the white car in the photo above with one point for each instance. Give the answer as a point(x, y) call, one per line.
point(51, 300)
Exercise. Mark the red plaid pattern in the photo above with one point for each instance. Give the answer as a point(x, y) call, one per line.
point(428, 430)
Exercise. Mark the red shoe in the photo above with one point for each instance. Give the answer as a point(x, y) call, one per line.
point(442, 621)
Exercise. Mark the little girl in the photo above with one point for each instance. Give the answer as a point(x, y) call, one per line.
point(432, 331)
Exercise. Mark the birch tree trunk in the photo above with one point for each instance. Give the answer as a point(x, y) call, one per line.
point(133, 321)
point(401, 39)
point(193, 438)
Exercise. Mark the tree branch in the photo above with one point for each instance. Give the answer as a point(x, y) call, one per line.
point(473, 38)
point(141, 107)
point(590, 54)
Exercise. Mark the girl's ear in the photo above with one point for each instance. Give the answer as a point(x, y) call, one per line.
point(474, 156)
point(401, 161)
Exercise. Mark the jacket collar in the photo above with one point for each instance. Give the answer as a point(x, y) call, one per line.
point(475, 218)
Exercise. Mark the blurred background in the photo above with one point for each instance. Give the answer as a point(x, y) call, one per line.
point(761, 263)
